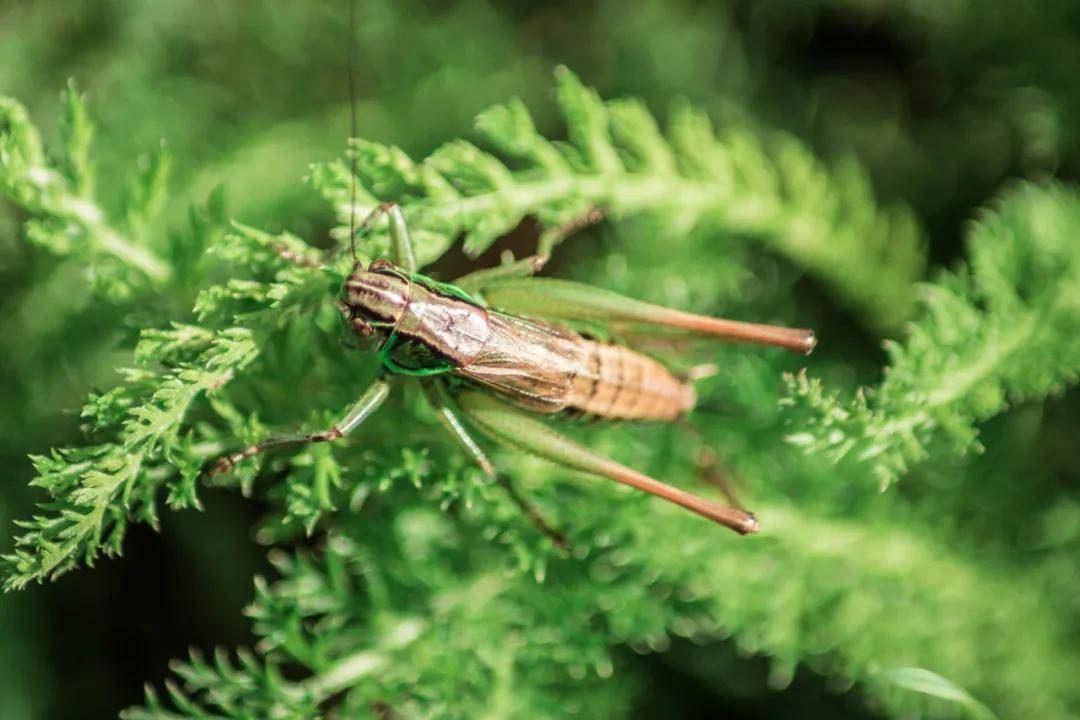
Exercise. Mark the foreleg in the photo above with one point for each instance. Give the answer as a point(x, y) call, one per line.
point(357, 414)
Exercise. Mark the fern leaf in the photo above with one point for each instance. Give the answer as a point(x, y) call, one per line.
point(617, 159)
point(64, 216)
point(95, 491)
point(1000, 330)
point(813, 590)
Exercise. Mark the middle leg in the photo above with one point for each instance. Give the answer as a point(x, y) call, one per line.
point(453, 423)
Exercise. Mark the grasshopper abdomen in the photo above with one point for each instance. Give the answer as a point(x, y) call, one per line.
point(625, 384)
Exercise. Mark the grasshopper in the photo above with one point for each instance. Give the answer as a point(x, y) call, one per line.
point(495, 349)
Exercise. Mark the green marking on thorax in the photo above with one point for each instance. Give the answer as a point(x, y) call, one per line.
point(388, 361)
point(444, 288)
point(394, 341)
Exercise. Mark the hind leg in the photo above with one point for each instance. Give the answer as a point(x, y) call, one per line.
point(518, 429)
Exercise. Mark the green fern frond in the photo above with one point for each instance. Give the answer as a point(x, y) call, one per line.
point(431, 594)
point(1001, 330)
point(65, 218)
point(96, 490)
point(221, 688)
point(813, 590)
point(617, 159)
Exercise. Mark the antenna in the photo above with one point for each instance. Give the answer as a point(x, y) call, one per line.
point(352, 130)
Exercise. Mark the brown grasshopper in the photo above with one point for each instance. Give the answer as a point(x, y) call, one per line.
point(494, 349)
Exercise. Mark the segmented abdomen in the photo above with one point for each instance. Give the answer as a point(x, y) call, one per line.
point(621, 383)
point(551, 369)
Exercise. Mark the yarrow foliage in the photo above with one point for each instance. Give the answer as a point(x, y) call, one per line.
point(617, 159)
point(999, 330)
point(423, 591)
point(65, 218)
point(95, 489)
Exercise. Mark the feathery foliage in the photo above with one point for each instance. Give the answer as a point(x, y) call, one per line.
point(59, 197)
point(463, 192)
point(94, 490)
point(1000, 330)
point(618, 160)
point(427, 593)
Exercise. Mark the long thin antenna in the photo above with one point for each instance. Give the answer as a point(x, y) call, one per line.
point(352, 130)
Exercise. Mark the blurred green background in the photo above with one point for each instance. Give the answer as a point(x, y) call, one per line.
point(941, 102)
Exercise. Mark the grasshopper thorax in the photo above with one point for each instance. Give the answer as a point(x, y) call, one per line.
point(374, 299)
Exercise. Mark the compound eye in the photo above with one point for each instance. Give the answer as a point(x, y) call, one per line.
point(354, 321)
point(356, 341)
point(362, 327)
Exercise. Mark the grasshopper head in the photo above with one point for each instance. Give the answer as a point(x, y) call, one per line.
point(374, 299)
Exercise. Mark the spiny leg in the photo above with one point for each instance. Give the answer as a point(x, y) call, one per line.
point(453, 423)
point(521, 430)
point(709, 466)
point(368, 403)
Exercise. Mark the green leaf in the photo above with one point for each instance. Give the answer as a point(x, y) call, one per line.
point(930, 683)
point(78, 133)
point(778, 194)
point(65, 218)
point(511, 130)
point(998, 332)
point(587, 122)
point(95, 491)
